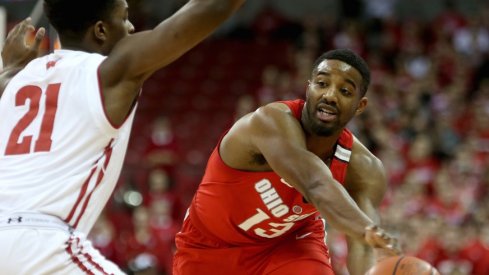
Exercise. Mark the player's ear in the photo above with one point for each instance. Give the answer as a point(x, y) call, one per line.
point(100, 31)
point(361, 105)
point(308, 89)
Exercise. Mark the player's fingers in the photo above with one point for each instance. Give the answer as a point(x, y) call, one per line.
point(381, 234)
point(378, 238)
point(372, 227)
point(24, 26)
point(20, 29)
point(38, 38)
point(13, 32)
point(396, 246)
point(29, 28)
point(390, 243)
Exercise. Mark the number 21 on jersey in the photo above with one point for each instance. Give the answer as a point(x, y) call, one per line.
point(33, 97)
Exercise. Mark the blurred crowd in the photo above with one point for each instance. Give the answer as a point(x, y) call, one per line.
point(427, 120)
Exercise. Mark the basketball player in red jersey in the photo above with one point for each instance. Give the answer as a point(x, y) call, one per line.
point(276, 171)
point(65, 122)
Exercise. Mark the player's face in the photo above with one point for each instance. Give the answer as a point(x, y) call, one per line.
point(334, 97)
point(118, 24)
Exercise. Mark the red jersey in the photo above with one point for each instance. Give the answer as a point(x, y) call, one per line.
point(235, 207)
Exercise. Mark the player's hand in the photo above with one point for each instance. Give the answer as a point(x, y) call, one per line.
point(16, 52)
point(377, 238)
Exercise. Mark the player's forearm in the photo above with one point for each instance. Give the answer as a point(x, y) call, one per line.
point(169, 40)
point(360, 257)
point(339, 209)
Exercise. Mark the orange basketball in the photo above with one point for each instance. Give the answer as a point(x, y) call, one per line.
point(402, 265)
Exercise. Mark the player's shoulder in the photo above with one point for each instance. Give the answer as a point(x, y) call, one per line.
point(274, 110)
point(365, 172)
point(362, 158)
point(272, 117)
point(274, 107)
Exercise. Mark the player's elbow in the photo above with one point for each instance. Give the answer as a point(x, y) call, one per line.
point(316, 193)
point(328, 196)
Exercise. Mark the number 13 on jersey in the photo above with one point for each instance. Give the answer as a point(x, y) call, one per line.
point(32, 96)
point(276, 229)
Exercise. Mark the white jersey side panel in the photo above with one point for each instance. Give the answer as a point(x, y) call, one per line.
point(59, 154)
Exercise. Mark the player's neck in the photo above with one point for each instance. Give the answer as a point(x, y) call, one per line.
point(321, 146)
point(84, 46)
point(79, 48)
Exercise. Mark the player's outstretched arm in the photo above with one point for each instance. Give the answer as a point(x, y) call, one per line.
point(16, 53)
point(366, 182)
point(281, 140)
point(137, 56)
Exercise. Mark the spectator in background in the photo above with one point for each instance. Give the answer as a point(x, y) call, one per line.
point(144, 264)
point(267, 92)
point(145, 239)
point(287, 86)
point(449, 20)
point(162, 149)
point(421, 163)
point(246, 104)
point(161, 189)
point(350, 37)
point(428, 246)
point(164, 228)
point(481, 266)
point(103, 237)
point(446, 200)
point(381, 9)
point(472, 40)
point(450, 260)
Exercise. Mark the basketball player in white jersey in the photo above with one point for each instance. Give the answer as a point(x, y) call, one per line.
point(65, 121)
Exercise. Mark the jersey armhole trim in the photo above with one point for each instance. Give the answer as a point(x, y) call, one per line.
point(102, 100)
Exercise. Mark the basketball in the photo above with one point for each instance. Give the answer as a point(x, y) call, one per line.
point(402, 265)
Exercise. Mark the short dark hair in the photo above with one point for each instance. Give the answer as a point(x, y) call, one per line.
point(72, 17)
point(350, 58)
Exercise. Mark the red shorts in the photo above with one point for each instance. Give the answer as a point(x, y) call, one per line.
point(304, 252)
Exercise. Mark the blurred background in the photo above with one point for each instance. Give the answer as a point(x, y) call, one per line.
point(428, 118)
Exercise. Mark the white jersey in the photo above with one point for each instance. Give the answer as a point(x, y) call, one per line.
point(59, 153)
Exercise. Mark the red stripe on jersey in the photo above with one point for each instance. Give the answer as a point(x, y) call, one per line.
point(102, 100)
point(108, 154)
point(338, 166)
point(83, 190)
point(91, 261)
point(75, 259)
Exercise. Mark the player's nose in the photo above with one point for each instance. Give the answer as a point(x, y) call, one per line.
point(330, 94)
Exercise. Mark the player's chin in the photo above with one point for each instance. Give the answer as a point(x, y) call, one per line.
point(325, 130)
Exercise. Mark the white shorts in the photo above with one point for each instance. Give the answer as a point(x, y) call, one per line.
point(41, 244)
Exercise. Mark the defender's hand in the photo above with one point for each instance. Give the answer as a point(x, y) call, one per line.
point(16, 52)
